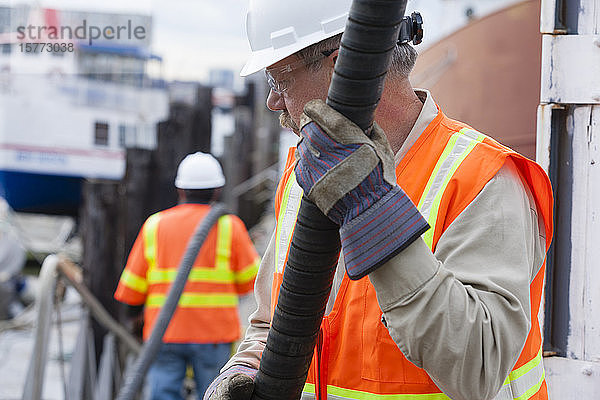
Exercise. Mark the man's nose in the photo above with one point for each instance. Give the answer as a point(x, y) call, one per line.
point(275, 101)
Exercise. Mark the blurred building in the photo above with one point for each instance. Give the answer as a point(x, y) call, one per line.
point(221, 78)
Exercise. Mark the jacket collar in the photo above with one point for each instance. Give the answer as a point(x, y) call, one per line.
point(428, 113)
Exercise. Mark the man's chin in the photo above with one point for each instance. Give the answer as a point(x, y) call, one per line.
point(286, 121)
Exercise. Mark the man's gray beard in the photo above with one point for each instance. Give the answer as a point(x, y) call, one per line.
point(286, 121)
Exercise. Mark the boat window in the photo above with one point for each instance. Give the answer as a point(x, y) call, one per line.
point(128, 136)
point(122, 131)
point(101, 135)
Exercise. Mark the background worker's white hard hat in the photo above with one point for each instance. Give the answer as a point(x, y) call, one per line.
point(277, 29)
point(199, 171)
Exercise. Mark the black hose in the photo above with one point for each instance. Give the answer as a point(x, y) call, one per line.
point(303, 295)
point(367, 43)
point(135, 375)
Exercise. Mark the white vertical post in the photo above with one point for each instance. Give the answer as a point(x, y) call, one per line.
point(571, 80)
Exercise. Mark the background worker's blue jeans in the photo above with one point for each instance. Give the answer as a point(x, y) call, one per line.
point(168, 370)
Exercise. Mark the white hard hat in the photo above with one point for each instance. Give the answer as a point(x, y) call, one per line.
point(199, 171)
point(277, 29)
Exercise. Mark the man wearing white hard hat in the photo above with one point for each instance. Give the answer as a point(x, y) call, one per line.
point(444, 233)
point(206, 322)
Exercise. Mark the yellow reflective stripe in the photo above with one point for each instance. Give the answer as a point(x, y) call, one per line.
point(223, 249)
point(191, 300)
point(338, 393)
point(525, 381)
point(525, 368)
point(286, 220)
point(197, 274)
point(534, 389)
point(248, 273)
point(150, 239)
point(282, 208)
point(458, 148)
point(436, 169)
point(134, 282)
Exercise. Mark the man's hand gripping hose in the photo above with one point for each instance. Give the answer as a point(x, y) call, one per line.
point(350, 177)
point(236, 383)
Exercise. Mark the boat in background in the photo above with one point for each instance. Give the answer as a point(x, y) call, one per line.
point(487, 72)
point(66, 116)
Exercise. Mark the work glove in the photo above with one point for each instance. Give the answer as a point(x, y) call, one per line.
point(351, 178)
point(236, 383)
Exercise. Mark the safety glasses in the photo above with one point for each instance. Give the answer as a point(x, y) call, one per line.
point(280, 79)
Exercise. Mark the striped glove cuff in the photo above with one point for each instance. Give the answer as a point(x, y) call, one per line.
point(379, 233)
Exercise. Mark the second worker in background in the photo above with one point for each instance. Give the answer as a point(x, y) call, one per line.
point(206, 321)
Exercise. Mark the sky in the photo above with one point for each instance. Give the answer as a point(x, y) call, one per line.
point(192, 36)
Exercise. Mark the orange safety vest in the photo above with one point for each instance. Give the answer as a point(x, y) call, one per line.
point(207, 309)
point(355, 357)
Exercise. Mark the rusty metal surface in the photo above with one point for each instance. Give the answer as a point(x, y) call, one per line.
point(487, 74)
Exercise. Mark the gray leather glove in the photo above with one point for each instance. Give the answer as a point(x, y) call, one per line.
point(237, 383)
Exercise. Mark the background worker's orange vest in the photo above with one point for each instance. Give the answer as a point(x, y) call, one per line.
point(355, 357)
point(225, 268)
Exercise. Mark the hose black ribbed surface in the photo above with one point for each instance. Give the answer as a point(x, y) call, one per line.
point(303, 295)
point(135, 375)
point(367, 43)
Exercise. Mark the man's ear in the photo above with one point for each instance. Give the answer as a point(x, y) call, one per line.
point(331, 59)
point(334, 55)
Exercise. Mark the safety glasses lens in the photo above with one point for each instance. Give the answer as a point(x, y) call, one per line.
point(278, 86)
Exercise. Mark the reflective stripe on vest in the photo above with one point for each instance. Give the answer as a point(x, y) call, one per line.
point(150, 232)
point(197, 274)
point(338, 393)
point(134, 282)
point(286, 220)
point(247, 273)
point(458, 148)
point(223, 250)
point(221, 273)
point(196, 300)
point(525, 381)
